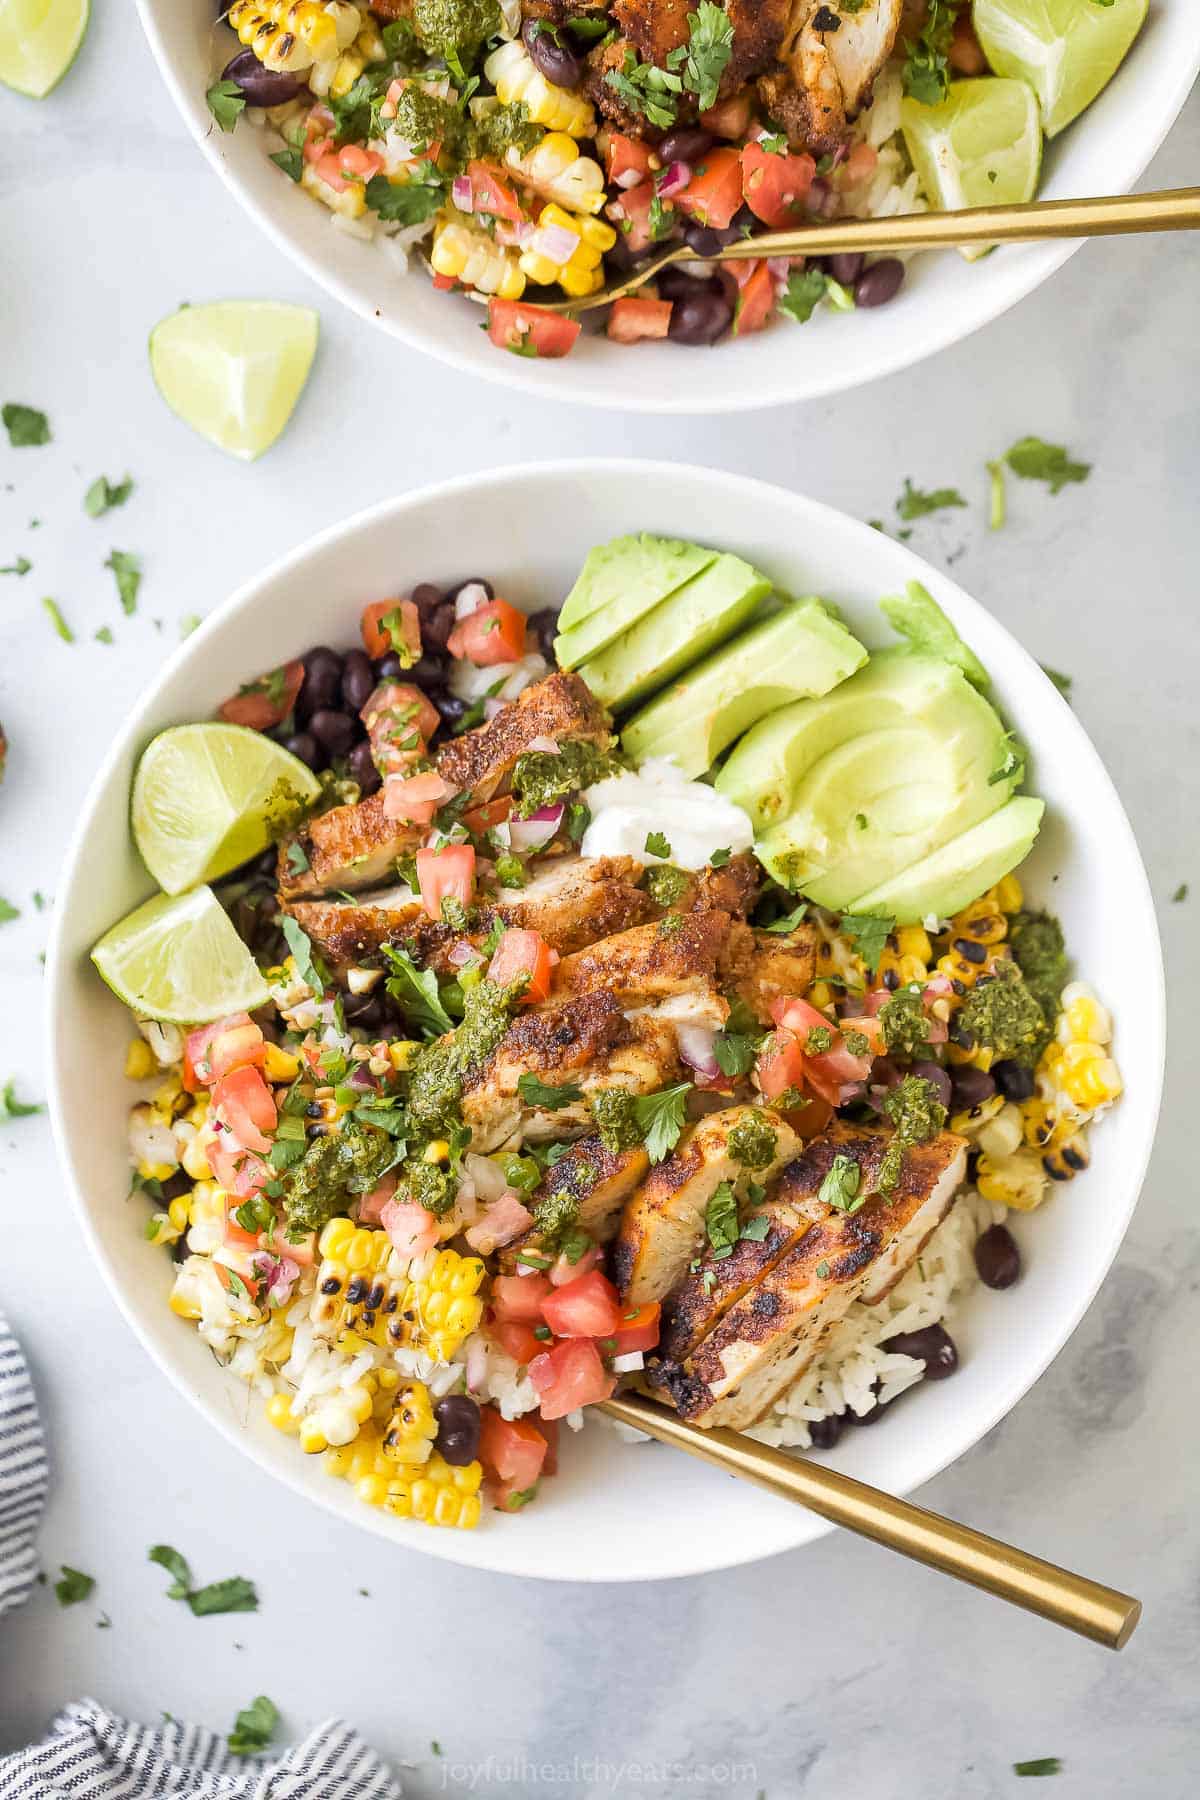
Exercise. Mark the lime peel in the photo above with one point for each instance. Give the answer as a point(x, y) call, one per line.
point(39, 40)
point(179, 959)
point(234, 369)
point(980, 146)
point(1067, 50)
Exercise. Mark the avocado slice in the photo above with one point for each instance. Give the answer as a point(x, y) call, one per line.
point(916, 615)
point(680, 630)
point(619, 582)
point(855, 787)
point(799, 650)
point(961, 870)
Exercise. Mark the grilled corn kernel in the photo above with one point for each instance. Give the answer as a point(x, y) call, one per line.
point(578, 271)
point(913, 940)
point(292, 35)
point(279, 1064)
point(820, 995)
point(440, 1306)
point(1001, 1135)
point(439, 1495)
point(411, 1426)
point(403, 1054)
point(152, 1171)
point(969, 1124)
point(1089, 1076)
point(139, 1060)
point(556, 170)
point(281, 1416)
point(349, 202)
point(1082, 1018)
point(1066, 1159)
point(511, 72)
point(982, 922)
point(1018, 1180)
point(194, 1159)
point(472, 257)
point(1008, 894)
point(437, 1150)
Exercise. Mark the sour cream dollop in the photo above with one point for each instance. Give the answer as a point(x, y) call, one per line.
point(693, 818)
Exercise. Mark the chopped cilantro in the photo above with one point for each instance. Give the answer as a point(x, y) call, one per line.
point(104, 494)
point(756, 1229)
point(254, 1727)
point(734, 1052)
point(233, 1595)
point(290, 161)
point(646, 89)
point(300, 945)
point(719, 858)
point(297, 858)
point(1045, 1765)
point(1034, 460)
point(1180, 894)
point(840, 1188)
point(705, 56)
point(535, 1092)
point(104, 635)
point(1062, 682)
point(868, 936)
point(74, 1586)
point(661, 1117)
point(721, 1221)
point(926, 63)
point(916, 503)
point(54, 613)
point(12, 1108)
point(804, 291)
point(127, 570)
point(997, 496)
point(22, 566)
point(789, 921)
point(25, 425)
point(409, 202)
point(226, 103)
point(823, 1270)
point(657, 845)
point(8, 911)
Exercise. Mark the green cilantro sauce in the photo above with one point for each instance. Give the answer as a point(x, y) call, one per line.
point(664, 883)
point(615, 1112)
point(1005, 1015)
point(904, 1024)
point(543, 778)
point(456, 27)
point(1041, 955)
point(752, 1143)
point(918, 1115)
point(349, 1161)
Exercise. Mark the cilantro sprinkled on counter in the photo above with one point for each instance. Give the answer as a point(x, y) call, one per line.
point(104, 494)
point(1034, 460)
point(254, 1727)
point(74, 1586)
point(25, 425)
point(916, 503)
point(235, 1594)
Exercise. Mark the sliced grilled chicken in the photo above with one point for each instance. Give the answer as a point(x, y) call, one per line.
point(598, 1180)
point(345, 931)
point(587, 1042)
point(828, 60)
point(560, 707)
point(577, 900)
point(732, 889)
point(760, 966)
point(650, 963)
point(351, 847)
point(652, 29)
point(770, 1335)
point(662, 1229)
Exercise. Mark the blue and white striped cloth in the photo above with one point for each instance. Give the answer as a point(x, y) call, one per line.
point(90, 1754)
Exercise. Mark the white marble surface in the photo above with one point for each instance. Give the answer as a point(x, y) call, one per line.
point(836, 1671)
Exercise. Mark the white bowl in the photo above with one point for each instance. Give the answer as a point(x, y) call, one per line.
point(619, 1512)
point(944, 299)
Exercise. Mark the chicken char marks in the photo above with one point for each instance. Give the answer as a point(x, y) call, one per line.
point(651, 30)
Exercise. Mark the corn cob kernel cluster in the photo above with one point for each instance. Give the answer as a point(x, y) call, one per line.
point(910, 959)
point(364, 1289)
point(568, 249)
point(511, 72)
point(411, 1426)
point(336, 78)
point(557, 170)
point(295, 35)
point(469, 255)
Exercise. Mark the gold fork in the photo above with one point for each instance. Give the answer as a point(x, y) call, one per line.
point(1178, 209)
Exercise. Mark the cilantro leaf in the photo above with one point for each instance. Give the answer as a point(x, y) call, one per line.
point(788, 921)
point(74, 1586)
point(645, 88)
point(8, 911)
point(104, 494)
point(22, 566)
point(54, 613)
point(657, 845)
point(416, 992)
point(226, 103)
point(926, 64)
point(705, 56)
point(1180, 894)
point(1062, 682)
point(719, 858)
point(254, 1727)
point(409, 202)
point(804, 291)
point(756, 1229)
point(300, 945)
point(127, 569)
point(916, 503)
point(175, 1565)
point(721, 1221)
point(25, 425)
point(535, 1092)
point(734, 1052)
point(660, 1118)
point(998, 497)
point(234, 1594)
point(868, 935)
point(11, 1107)
point(290, 161)
point(1045, 1765)
point(840, 1186)
point(1034, 460)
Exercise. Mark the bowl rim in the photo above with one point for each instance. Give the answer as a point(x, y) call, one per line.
point(58, 975)
point(1004, 285)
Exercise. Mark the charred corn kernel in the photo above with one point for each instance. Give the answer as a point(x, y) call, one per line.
point(194, 1159)
point(1043, 1127)
point(440, 1306)
point(1008, 894)
point(1065, 1160)
point(913, 940)
point(439, 1495)
point(349, 202)
point(963, 969)
point(969, 1124)
point(279, 1064)
point(1018, 1180)
point(907, 968)
point(139, 1060)
point(294, 34)
point(511, 72)
point(820, 995)
point(1001, 1135)
point(403, 1054)
point(577, 269)
point(280, 1414)
point(389, 1380)
point(982, 1056)
point(475, 259)
point(556, 170)
point(411, 1426)
point(1089, 1076)
point(358, 1291)
point(170, 1097)
point(437, 1150)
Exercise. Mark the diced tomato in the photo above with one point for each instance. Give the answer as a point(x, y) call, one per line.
point(714, 193)
point(412, 1228)
point(549, 1430)
point(519, 1297)
point(445, 282)
point(492, 812)
point(397, 711)
point(564, 1271)
point(236, 1238)
point(212, 1050)
point(246, 1106)
point(446, 874)
point(358, 163)
point(588, 1307)
point(492, 194)
point(780, 1064)
point(570, 1375)
point(861, 164)
point(415, 798)
point(631, 319)
point(756, 297)
point(234, 1282)
point(638, 1329)
point(523, 953)
point(265, 703)
point(530, 330)
point(493, 633)
point(303, 1252)
point(626, 156)
point(238, 1171)
point(811, 1117)
point(796, 1015)
point(392, 625)
point(730, 118)
point(517, 1339)
point(511, 1450)
point(775, 185)
point(636, 205)
point(499, 1223)
point(317, 129)
point(871, 1029)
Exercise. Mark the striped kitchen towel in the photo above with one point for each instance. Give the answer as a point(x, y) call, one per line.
point(24, 1473)
point(91, 1753)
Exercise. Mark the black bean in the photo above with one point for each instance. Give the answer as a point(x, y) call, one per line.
point(891, 980)
point(366, 1010)
point(997, 1257)
point(426, 598)
point(937, 1077)
point(389, 667)
point(846, 266)
point(706, 240)
point(428, 671)
point(360, 766)
point(449, 706)
point(334, 731)
point(826, 1432)
point(322, 681)
point(971, 1087)
point(1014, 1080)
point(305, 746)
point(550, 55)
point(701, 318)
point(260, 86)
point(623, 257)
point(876, 1413)
point(358, 680)
point(544, 626)
point(458, 1429)
point(880, 283)
point(437, 626)
point(933, 1345)
point(687, 143)
point(176, 1185)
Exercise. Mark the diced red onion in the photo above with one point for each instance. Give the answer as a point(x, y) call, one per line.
point(696, 1049)
point(477, 1362)
point(779, 267)
point(564, 1271)
point(487, 1176)
point(460, 954)
point(629, 178)
point(536, 831)
point(556, 242)
point(460, 193)
point(361, 1077)
point(469, 599)
point(493, 706)
point(501, 1222)
point(625, 1365)
point(677, 177)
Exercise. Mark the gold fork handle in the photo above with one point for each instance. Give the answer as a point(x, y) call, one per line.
point(1177, 209)
point(1100, 1613)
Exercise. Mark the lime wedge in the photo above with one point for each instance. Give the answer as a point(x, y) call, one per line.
point(982, 146)
point(208, 797)
point(1067, 50)
point(180, 959)
point(234, 370)
point(39, 40)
